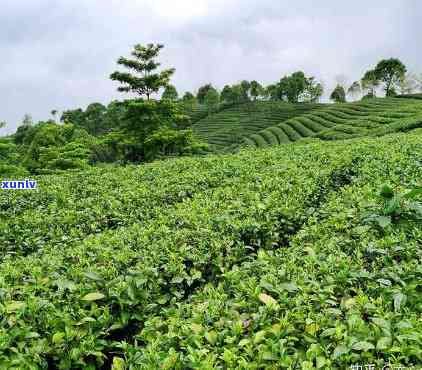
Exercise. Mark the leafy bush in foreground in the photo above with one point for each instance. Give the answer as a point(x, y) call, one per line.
point(249, 261)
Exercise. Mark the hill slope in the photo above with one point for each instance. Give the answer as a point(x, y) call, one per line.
point(374, 117)
point(226, 128)
point(263, 259)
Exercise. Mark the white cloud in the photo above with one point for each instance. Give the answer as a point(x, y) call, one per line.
point(59, 54)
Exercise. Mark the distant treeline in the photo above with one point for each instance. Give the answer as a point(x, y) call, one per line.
point(143, 128)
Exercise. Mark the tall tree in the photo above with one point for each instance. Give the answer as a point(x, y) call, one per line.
point(256, 89)
point(24, 130)
point(212, 99)
point(293, 86)
point(272, 92)
point(370, 82)
point(95, 119)
point(27, 120)
point(146, 80)
point(75, 116)
point(338, 95)
point(245, 87)
point(147, 122)
point(390, 72)
point(189, 100)
point(313, 91)
point(354, 89)
point(188, 97)
point(170, 93)
point(202, 92)
point(297, 87)
point(2, 124)
point(226, 95)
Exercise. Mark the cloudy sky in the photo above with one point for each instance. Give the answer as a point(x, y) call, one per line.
point(59, 54)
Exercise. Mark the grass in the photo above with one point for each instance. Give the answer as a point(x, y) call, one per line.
point(261, 259)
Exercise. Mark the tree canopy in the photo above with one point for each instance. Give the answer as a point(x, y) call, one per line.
point(370, 82)
point(338, 95)
point(390, 72)
point(202, 92)
point(212, 99)
point(296, 88)
point(170, 93)
point(256, 89)
point(354, 89)
point(145, 80)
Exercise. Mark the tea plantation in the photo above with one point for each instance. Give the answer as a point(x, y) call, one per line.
point(281, 258)
point(344, 121)
point(262, 124)
point(225, 129)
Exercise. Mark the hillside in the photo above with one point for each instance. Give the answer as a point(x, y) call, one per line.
point(411, 96)
point(277, 258)
point(262, 124)
point(344, 121)
point(226, 128)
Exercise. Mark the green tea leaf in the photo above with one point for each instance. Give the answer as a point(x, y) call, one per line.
point(290, 287)
point(413, 193)
point(196, 328)
point(95, 296)
point(383, 343)
point(340, 350)
point(267, 299)
point(399, 298)
point(118, 364)
point(211, 337)
point(384, 282)
point(58, 337)
point(259, 337)
point(14, 306)
point(363, 346)
point(93, 276)
point(383, 221)
point(243, 342)
point(320, 362)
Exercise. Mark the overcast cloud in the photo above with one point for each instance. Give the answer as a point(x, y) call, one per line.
point(59, 54)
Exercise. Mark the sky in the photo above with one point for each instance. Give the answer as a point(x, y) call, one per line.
point(59, 54)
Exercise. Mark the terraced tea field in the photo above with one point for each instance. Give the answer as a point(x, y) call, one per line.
point(343, 121)
point(411, 96)
point(225, 130)
point(195, 112)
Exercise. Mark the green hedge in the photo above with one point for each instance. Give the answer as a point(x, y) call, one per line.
point(281, 135)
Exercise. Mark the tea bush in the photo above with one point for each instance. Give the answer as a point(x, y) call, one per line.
point(261, 259)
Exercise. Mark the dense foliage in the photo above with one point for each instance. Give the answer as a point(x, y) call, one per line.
point(338, 95)
point(263, 259)
point(296, 88)
point(134, 130)
point(96, 119)
point(10, 159)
